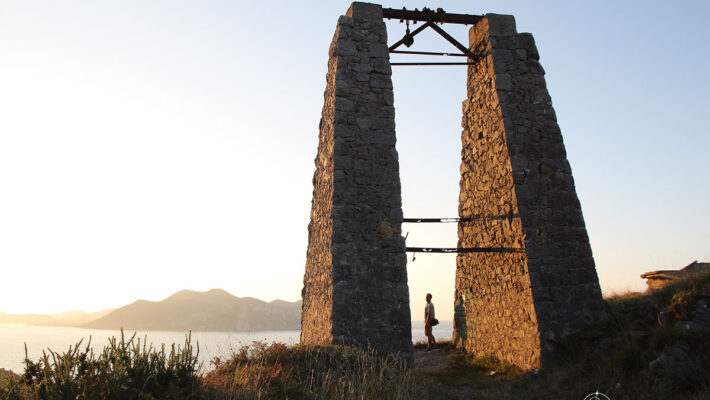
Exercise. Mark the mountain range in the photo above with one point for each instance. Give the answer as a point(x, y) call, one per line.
point(214, 310)
point(71, 318)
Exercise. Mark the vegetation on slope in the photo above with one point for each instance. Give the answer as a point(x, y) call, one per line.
point(309, 372)
point(125, 369)
point(128, 369)
point(654, 346)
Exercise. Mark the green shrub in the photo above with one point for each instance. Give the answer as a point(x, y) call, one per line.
point(128, 368)
point(125, 369)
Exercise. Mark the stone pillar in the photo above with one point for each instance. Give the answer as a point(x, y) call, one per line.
point(355, 287)
point(514, 306)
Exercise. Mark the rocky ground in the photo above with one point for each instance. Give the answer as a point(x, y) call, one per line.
point(443, 373)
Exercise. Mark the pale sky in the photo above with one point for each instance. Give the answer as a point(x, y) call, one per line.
point(150, 147)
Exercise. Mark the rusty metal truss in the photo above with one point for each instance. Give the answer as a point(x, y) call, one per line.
point(431, 18)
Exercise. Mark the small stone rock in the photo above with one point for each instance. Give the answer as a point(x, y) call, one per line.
point(504, 82)
point(688, 326)
point(681, 311)
point(345, 48)
point(701, 313)
point(666, 318)
point(673, 357)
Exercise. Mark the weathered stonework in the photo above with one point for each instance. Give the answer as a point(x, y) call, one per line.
point(355, 287)
point(514, 306)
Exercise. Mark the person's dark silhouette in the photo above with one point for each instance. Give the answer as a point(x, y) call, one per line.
point(460, 324)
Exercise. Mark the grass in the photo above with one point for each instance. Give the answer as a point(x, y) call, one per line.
point(126, 369)
point(308, 372)
point(129, 369)
point(612, 356)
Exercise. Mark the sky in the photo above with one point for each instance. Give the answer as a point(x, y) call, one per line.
point(150, 147)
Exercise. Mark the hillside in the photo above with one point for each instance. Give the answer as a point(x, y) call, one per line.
point(214, 310)
point(71, 318)
point(655, 346)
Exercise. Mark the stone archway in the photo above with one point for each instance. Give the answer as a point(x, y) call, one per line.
point(515, 179)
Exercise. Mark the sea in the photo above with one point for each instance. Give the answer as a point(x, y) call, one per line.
point(14, 338)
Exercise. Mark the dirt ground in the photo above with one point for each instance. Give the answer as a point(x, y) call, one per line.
point(431, 366)
point(444, 377)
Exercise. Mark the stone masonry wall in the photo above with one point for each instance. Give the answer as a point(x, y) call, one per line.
point(516, 305)
point(355, 286)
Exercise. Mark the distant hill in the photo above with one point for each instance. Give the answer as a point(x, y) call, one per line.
point(71, 318)
point(214, 310)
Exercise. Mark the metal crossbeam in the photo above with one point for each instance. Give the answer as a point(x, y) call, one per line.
point(469, 219)
point(465, 250)
point(430, 15)
point(427, 53)
point(431, 63)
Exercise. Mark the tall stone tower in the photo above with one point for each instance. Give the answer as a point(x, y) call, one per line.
point(525, 275)
point(355, 287)
point(514, 165)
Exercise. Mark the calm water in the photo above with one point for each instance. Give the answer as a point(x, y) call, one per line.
point(38, 338)
point(212, 344)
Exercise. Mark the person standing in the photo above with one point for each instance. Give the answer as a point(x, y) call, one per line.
point(429, 316)
point(460, 329)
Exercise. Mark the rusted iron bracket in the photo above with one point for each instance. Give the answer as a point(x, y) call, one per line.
point(465, 250)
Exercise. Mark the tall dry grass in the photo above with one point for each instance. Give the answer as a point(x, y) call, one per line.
point(128, 368)
point(276, 371)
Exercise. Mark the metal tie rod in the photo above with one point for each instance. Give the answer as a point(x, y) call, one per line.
point(450, 220)
point(465, 250)
point(427, 53)
point(431, 63)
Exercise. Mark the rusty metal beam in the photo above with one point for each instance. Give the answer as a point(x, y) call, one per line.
point(427, 15)
point(431, 63)
point(427, 53)
point(465, 250)
point(453, 41)
point(469, 219)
